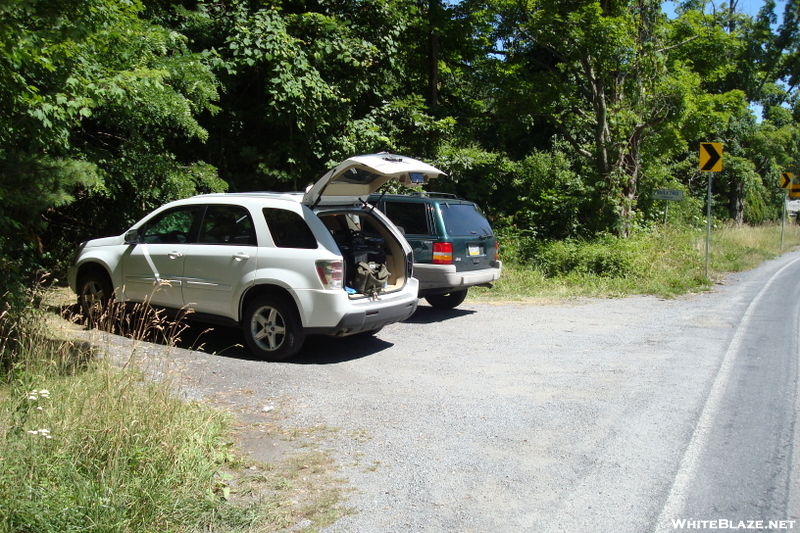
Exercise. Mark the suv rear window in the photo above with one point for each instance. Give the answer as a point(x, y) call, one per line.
point(288, 229)
point(464, 219)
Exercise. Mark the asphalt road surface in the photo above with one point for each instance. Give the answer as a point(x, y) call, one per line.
point(621, 415)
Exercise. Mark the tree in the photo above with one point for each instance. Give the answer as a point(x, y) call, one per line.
point(93, 102)
point(741, 62)
point(598, 74)
point(305, 84)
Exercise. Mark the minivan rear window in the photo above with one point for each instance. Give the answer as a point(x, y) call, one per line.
point(463, 220)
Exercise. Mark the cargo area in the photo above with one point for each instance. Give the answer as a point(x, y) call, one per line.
point(363, 239)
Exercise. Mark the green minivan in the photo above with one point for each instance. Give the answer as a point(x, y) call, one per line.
point(454, 245)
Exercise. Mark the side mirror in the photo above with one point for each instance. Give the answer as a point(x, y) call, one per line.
point(132, 237)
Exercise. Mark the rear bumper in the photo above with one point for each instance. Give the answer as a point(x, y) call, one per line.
point(362, 314)
point(359, 321)
point(433, 278)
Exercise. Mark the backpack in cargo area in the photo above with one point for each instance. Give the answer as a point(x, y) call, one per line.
point(370, 280)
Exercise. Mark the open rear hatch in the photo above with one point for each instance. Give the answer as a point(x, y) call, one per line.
point(356, 178)
point(370, 246)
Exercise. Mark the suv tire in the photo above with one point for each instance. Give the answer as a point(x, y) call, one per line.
point(448, 300)
point(94, 295)
point(272, 328)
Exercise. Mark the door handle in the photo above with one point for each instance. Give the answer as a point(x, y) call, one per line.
point(241, 256)
point(174, 255)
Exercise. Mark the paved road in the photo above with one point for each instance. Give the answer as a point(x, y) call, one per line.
point(624, 415)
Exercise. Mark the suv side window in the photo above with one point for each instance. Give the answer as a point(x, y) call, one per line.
point(289, 229)
point(227, 224)
point(171, 227)
point(412, 217)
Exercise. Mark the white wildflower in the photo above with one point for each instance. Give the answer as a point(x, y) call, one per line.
point(41, 432)
point(35, 394)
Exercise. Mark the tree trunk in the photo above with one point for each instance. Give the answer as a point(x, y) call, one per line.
point(434, 15)
point(736, 201)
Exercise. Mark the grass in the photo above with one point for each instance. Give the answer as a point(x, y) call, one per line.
point(88, 443)
point(665, 262)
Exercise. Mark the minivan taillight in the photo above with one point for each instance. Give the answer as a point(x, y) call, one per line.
point(496, 250)
point(443, 253)
point(331, 274)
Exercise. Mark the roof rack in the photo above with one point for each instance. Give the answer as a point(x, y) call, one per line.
point(436, 195)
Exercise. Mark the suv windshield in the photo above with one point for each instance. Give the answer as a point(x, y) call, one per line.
point(464, 219)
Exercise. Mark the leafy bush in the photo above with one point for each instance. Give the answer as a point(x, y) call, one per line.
point(605, 256)
point(517, 246)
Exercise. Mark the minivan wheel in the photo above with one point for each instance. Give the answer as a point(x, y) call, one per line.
point(272, 328)
point(448, 300)
point(94, 295)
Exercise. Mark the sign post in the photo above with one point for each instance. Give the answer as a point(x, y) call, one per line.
point(787, 185)
point(710, 161)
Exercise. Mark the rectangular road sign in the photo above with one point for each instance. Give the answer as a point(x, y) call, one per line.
point(711, 157)
point(668, 194)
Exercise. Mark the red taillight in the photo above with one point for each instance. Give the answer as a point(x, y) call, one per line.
point(442, 253)
point(496, 250)
point(331, 274)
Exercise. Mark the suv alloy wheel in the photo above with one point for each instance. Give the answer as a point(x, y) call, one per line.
point(272, 328)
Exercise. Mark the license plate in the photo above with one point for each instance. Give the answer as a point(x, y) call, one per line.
point(473, 249)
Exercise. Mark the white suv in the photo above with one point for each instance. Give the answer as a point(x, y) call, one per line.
point(279, 265)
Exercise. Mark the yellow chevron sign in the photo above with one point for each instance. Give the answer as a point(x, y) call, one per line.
point(788, 183)
point(710, 157)
point(794, 188)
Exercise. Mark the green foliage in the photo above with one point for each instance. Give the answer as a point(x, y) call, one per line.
point(596, 73)
point(306, 85)
point(604, 256)
point(86, 444)
point(94, 102)
point(664, 262)
point(117, 452)
point(549, 196)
